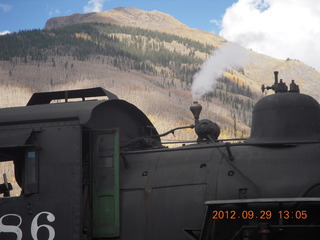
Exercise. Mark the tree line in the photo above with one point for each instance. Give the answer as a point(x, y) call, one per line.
point(237, 96)
point(144, 53)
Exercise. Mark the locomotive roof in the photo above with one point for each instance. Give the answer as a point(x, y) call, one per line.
point(50, 112)
point(81, 111)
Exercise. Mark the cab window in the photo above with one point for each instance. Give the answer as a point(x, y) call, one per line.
point(18, 171)
point(8, 184)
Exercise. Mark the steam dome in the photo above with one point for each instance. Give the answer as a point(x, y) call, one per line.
point(285, 116)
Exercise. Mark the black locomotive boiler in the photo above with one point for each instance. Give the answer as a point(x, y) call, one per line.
point(96, 169)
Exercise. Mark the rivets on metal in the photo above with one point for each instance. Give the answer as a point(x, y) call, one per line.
point(203, 165)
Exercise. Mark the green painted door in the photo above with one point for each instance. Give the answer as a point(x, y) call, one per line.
point(105, 183)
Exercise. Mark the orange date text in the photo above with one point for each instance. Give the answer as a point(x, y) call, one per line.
point(258, 214)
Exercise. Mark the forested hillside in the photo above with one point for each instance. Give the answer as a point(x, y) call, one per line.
point(131, 48)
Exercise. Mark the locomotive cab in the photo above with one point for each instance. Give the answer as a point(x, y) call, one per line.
point(66, 162)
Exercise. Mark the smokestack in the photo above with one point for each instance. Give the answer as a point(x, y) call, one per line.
point(196, 109)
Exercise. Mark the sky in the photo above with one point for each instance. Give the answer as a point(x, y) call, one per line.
point(278, 28)
point(18, 15)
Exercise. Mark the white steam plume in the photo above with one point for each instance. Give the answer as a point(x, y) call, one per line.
point(229, 55)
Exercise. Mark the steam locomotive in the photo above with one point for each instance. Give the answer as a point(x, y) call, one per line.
point(96, 169)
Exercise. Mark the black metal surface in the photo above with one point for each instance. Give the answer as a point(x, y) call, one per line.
point(91, 114)
point(207, 130)
point(47, 97)
point(14, 137)
point(263, 200)
point(285, 117)
point(48, 113)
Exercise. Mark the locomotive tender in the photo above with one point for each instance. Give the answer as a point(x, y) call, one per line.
point(96, 169)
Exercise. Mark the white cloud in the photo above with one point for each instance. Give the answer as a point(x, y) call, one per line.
point(6, 7)
point(216, 22)
point(4, 32)
point(94, 6)
point(279, 28)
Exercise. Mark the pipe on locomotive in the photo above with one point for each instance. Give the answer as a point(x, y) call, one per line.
point(279, 87)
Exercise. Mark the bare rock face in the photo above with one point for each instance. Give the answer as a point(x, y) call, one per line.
point(58, 22)
point(152, 20)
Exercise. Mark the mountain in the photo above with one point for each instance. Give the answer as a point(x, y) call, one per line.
point(146, 58)
point(154, 20)
point(259, 69)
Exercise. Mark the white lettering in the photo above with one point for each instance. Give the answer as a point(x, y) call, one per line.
point(35, 227)
point(11, 228)
point(15, 229)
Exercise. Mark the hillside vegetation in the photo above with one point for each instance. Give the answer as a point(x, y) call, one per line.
point(131, 48)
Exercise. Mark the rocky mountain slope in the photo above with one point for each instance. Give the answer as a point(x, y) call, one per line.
point(133, 17)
